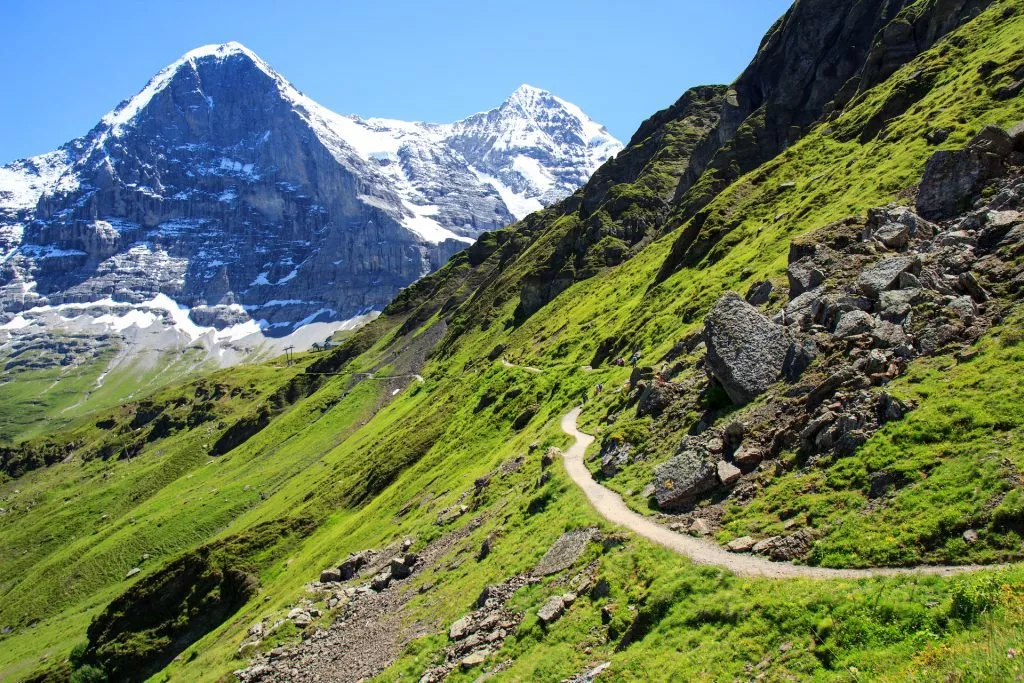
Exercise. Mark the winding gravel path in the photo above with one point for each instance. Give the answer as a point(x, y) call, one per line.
point(612, 508)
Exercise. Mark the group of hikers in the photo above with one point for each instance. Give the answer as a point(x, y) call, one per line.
point(619, 363)
point(633, 360)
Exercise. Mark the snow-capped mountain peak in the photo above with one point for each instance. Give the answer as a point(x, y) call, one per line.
point(126, 111)
point(226, 189)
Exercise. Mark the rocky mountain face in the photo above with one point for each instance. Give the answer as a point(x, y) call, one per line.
point(222, 200)
point(816, 59)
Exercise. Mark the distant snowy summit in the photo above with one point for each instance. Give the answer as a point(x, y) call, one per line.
point(244, 207)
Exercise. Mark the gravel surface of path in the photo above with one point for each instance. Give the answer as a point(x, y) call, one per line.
point(611, 506)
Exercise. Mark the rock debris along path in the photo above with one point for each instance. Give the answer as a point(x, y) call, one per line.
point(612, 508)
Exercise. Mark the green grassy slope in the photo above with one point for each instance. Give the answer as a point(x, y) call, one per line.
point(40, 400)
point(368, 474)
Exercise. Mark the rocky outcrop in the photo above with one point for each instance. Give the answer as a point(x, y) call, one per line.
point(609, 227)
point(952, 178)
point(889, 288)
point(747, 353)
point(814, 62)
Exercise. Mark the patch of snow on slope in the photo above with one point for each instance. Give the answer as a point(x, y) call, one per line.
point(427, 228)
point(532, 172)
point(18, 323)
point(22, 183)
point(133, 318)
point(518, 204)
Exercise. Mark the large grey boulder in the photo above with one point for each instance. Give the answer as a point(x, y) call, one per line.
point(683, 478)
point(747, 353)
point(952, 178)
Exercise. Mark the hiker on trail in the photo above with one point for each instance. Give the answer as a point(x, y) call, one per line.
point(583, 396)
point(598, 389)
point(635, 358)
point(620, 362)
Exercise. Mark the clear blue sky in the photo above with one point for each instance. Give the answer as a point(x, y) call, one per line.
point(66, 63)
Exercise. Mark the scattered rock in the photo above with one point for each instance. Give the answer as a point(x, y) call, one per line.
point(759, 293)
point(969, 284)
point(549, 457)
point(956, 238)
point(614, 456)
point(748, 456)
point(699, 527)
point(853, 323)
point(300, 617)
point(803, 277)
point(331, 575)
point(952, 178)
point(551, 610)
point(893, 235)
point(744, 544)
point(398, 568)
point(734, 431)
point(785, 548)
point(728, 473)
point(971, 536)
point(474, 659)
point(351, 566)
point(132, 572)
point(381, 580)
point(461, 628)
point(485, 549)
point(937, 136)
point(993, 140)
point(1017, 135)
point(882, 482)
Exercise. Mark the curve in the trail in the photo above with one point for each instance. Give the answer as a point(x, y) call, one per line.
point(611, 506)
point(527, 368)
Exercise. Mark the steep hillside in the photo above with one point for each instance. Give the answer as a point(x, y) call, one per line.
point(398, 507)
